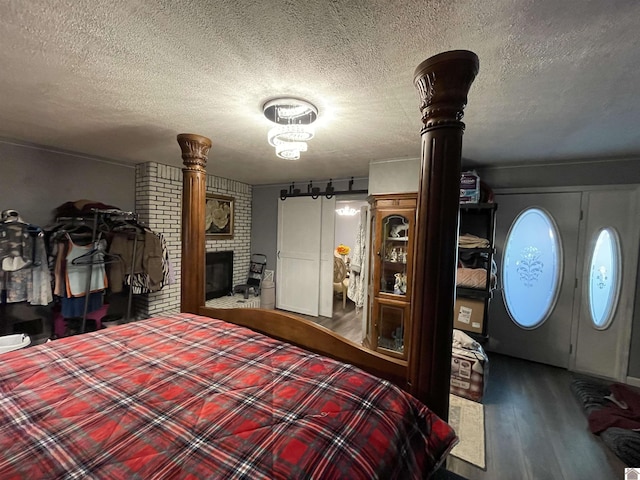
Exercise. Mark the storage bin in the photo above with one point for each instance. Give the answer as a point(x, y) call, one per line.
point(268, 294)
point(8, 343)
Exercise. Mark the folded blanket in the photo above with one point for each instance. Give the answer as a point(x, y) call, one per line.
point(473, 278)
point(471, 241)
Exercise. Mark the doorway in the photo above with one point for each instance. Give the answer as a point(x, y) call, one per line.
point(545, 337)
point(566, 263)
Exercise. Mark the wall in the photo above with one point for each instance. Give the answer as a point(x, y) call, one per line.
point(264, 224)
point(394, 176)
point(601, 172)
point(35, 180)
point(158, 203)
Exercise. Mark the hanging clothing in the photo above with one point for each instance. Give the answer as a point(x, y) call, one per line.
point(358, 284)
point(31, 284)
point(77, 274)
point(25, 273)
point(145, 270)
point(17, 246)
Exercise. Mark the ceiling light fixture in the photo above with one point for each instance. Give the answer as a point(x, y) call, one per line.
point(293, 118)
point(347, 211)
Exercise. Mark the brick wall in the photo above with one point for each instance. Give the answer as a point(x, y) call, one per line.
point(158, 204)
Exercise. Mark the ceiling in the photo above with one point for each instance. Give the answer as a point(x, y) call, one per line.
point(558, 81)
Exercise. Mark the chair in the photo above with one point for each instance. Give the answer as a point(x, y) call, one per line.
point(257, 265)
point(340, 280)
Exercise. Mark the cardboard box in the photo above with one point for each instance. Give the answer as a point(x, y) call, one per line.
point(469, 370)
point(468, 314)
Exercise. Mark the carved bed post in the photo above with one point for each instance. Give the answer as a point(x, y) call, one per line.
point(443, 82)
point(194, 186)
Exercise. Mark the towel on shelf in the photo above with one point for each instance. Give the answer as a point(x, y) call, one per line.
point(472, 241)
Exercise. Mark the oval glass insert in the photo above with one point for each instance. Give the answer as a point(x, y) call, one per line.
point(604, 278)
point(531, 268)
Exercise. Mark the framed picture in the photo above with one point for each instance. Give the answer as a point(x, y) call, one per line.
point(218, 216)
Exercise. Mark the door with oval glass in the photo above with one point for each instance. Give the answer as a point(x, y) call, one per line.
point(536, 241)
point(608, 261)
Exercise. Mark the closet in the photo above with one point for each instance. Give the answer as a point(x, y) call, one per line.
point(106, 252)
point(66, 277)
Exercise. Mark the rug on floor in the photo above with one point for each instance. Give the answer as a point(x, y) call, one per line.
point(467, 419)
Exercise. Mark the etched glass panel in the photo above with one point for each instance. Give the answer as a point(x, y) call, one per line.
point(531, 268)
point(604, 278)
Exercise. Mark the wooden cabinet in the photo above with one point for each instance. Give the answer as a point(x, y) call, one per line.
point(475, 278)
point(390, 276)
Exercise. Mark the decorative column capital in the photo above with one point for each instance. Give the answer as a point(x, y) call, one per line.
point(195, 149)
point(443, 82)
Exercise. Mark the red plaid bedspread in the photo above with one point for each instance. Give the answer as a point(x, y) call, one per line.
point(192, 397)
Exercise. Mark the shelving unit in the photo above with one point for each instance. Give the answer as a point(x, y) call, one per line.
point(392, 230)
point(472, 304)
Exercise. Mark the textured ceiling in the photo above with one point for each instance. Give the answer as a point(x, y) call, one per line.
point(558, 80)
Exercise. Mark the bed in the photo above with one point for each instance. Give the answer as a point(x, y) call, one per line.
point(250, 393)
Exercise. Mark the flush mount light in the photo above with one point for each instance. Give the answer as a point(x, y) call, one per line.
point(293, 118)
point(347, 211)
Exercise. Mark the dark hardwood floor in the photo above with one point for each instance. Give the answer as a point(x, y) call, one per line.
point(346, 322)
point(535, 429)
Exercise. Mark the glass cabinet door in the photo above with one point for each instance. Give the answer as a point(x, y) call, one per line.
point(390, 325)
point(393, 254)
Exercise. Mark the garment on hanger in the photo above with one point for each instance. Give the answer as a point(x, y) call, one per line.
point(31, 284)
point(17, 247)
point(76, 274)
point(357, 284)
point(149, 271)
point(25, 274)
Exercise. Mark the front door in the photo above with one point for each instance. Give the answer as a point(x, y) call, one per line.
point(605, 310)
point(530, 313)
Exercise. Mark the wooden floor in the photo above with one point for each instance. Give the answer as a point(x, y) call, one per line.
point(536, 429)
point(346, 322)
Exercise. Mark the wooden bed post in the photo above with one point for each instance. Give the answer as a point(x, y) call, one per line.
point(194, 186)
point(443, 82)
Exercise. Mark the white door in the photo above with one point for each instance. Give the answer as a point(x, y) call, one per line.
point(298, 262)
point(609, 257)
point(326, 255)
point(530, 314)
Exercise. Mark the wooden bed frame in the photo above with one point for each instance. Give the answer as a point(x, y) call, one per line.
point(443, 82)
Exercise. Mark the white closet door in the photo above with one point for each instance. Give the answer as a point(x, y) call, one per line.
point(298, 263)
point(326, 255)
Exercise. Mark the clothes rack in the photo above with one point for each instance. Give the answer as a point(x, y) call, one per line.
point(107, 217)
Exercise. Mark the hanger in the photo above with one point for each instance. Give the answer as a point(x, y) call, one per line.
point(91, 257)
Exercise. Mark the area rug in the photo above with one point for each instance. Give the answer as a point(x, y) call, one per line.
point(467, 419)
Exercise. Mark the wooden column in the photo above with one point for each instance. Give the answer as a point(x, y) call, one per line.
point(194, 156)
point(443, 82)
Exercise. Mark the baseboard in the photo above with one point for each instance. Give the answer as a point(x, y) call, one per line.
point(635, 381)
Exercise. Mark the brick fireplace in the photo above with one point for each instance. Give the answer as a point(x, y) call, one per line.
point(158, 204)
point(218, 274)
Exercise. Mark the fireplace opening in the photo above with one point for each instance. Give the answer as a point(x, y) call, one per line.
point(218, 274)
